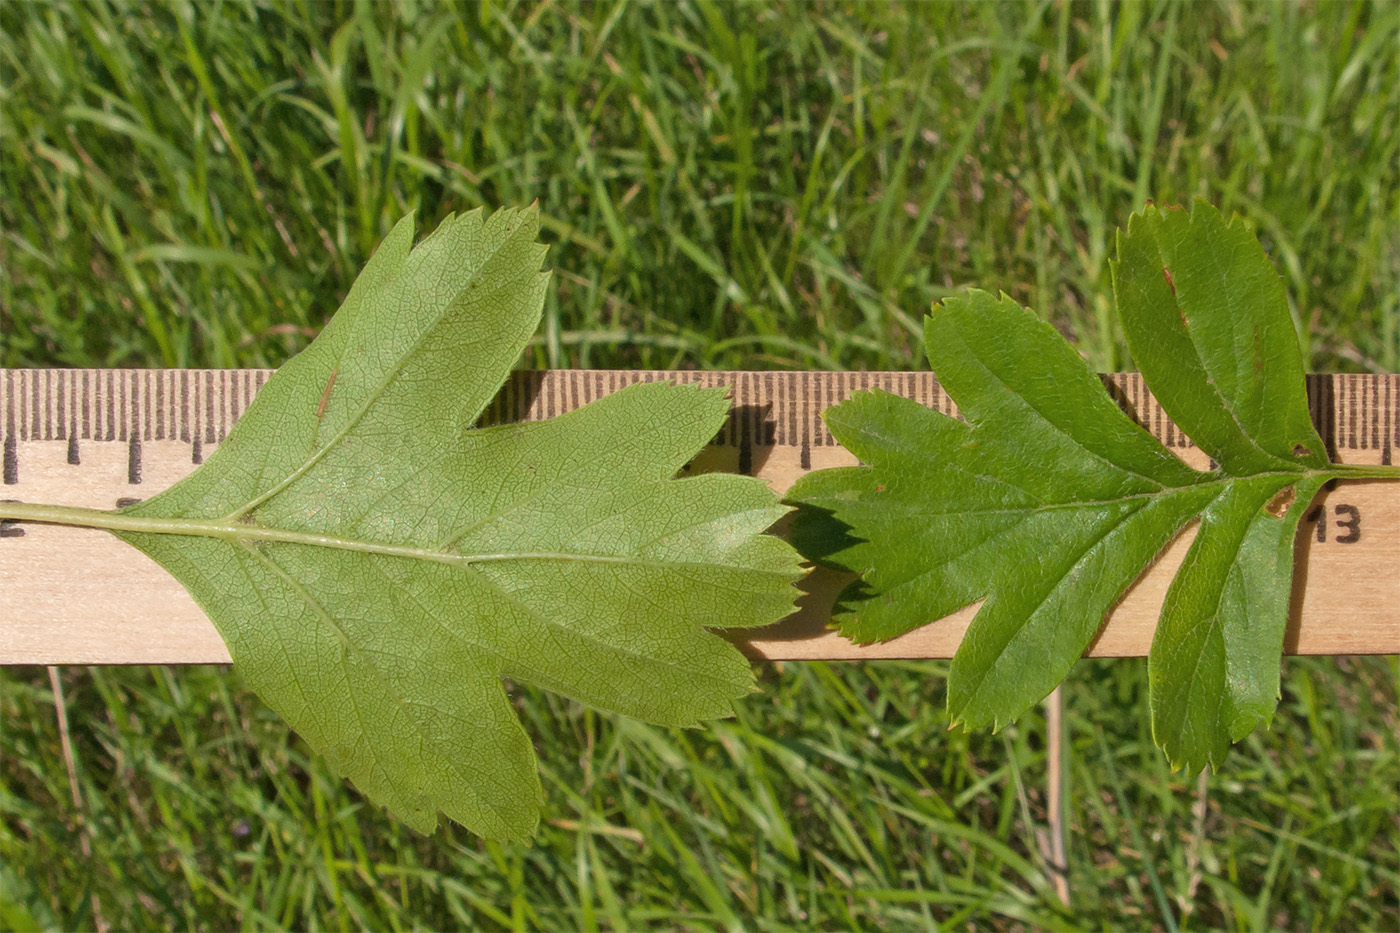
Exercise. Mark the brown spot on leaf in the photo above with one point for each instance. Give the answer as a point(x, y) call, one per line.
point(1167, 274)
point(879, 488)
point(326, 395)
point(1300, 451)
point(1279, 504)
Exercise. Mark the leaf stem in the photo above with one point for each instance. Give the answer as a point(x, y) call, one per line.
point(249, 533)
point(1363, 471)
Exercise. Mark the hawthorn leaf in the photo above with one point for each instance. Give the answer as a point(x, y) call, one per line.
point(377, 565)
point(1047, 502)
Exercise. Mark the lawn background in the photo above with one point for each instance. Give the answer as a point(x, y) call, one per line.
point(724, 186)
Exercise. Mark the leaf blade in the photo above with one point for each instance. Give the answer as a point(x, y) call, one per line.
point(400, 562)
point(1048, 503)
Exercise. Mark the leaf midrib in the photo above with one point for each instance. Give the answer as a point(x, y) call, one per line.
point(1221, 479)
point(253, 534)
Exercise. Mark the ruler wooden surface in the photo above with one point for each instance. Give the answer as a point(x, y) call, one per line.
point(102, 438)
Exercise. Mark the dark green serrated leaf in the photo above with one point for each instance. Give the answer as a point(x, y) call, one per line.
point(377, 566)
point(1048, 502)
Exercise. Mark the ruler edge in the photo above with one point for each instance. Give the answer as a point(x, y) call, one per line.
point(22, 413)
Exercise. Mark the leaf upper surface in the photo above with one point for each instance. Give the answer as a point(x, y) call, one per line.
point(1207, 321)
point(1048, 501)
point(376, 565)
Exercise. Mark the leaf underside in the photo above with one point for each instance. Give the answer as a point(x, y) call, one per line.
point(1048, 501)
point(376, 565)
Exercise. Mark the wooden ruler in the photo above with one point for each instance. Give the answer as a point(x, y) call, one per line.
point(102, 438)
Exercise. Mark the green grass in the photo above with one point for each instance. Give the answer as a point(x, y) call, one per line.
point(725, 187)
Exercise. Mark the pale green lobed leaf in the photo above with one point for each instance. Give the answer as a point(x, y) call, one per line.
point(377, 565)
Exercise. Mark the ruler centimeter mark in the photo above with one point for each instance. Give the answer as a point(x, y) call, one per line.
point(782, 409)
